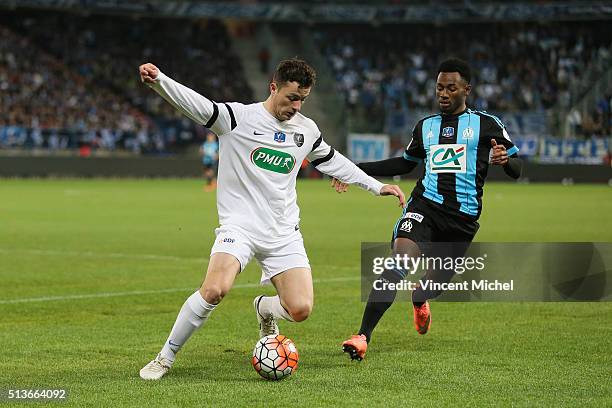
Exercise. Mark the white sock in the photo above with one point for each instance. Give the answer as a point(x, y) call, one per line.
point(272, 304)
point(193, 314)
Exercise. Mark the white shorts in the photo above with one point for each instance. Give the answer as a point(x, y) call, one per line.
point(274, 257)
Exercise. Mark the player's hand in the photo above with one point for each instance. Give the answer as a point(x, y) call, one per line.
point(500, 155)
point(339, 186)
point(392, 189)
point(148, 73)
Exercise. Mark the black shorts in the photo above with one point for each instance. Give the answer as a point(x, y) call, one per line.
point(210, 165)
point(421, 221)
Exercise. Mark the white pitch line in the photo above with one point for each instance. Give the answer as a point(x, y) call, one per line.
point(123, 255)
point(149, 292)
point(102, 254)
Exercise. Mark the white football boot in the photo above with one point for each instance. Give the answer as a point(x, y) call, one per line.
point(156, 369)
point(267, 324)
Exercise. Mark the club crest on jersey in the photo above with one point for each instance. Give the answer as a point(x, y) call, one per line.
point(447, 158)
point(273, 160)
point(298, 138)
point(429, 134)
point(448, 132)
point(279, 137)
point(406, 226)
point(468, 134)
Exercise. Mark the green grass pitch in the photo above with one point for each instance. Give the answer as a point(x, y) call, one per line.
point(115, 260)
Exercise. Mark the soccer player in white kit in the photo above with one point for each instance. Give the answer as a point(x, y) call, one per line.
point(261, 147)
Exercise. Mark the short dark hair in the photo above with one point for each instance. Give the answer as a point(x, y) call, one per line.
point(456, 65)
point(295, 70)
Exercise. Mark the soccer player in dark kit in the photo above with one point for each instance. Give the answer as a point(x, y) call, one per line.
point(457, 145)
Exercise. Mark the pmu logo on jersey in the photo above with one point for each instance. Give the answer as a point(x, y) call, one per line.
point(447, 158)
point(448, 132)
point(273, 160)
point(280, 137)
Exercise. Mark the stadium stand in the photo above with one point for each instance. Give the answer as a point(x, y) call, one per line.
point(45, 103)
point(76, 77)
point(74, 83)
point(386, 71)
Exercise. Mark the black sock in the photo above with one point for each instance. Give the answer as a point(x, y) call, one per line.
point(378, 303)
point(420, 296)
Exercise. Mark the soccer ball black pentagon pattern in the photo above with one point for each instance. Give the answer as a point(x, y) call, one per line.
point(275, 357)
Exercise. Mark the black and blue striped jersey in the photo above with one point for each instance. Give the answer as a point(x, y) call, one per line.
point(456, 151)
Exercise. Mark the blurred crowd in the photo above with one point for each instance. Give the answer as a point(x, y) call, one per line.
point(44, 102)
point(602, 116)
point(595, 122)
point(69, 80)
point(384, 71)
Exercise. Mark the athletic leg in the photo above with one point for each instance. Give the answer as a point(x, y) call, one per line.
point(230, 253)
point(453, 236)
point(286, 266)
point(380, 300)
point(412, 229)
point(295, 294)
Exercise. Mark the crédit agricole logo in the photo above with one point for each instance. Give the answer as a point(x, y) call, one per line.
point(447, 158)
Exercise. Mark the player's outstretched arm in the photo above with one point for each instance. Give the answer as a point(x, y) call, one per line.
point(193, 105)
point(395, 166)
point(394, 190)
point(344, 170)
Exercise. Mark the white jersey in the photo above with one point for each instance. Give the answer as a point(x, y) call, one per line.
point(259, 159)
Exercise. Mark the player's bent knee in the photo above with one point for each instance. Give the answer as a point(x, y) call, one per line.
point(300, 312)
point(213, 294)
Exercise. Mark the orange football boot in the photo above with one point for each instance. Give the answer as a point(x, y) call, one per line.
point(422, 318)
point(356, 346)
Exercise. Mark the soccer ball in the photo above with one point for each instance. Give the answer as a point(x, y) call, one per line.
point(275, 357)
